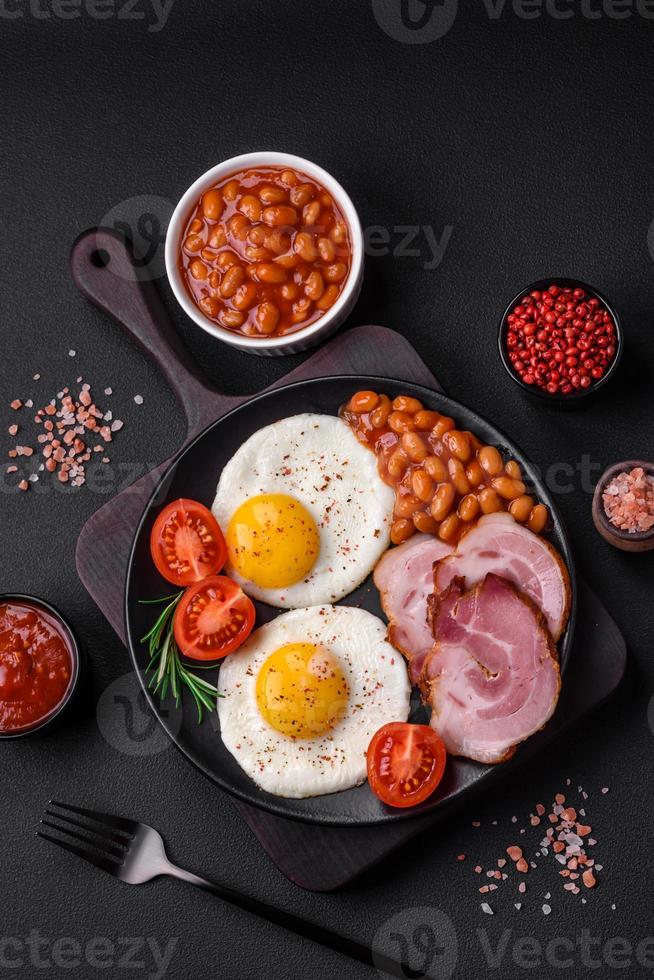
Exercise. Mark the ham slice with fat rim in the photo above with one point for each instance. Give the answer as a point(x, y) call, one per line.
point(405, 578)
point(493, 676)
point(500, 545)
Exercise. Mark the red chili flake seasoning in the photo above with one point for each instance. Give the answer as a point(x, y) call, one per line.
point(36, 665)
point(560, 339)
point(629, 501)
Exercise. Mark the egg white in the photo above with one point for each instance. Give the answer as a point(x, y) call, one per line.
point(379, 692)
point(318, 460)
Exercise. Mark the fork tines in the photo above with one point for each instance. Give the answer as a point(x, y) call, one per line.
point(101, 838)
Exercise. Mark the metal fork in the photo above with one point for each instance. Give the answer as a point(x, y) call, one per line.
point(135, 853)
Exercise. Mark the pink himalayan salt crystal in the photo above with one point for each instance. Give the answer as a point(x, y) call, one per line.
point(629, 501)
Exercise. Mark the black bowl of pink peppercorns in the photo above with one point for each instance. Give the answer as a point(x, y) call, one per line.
point(560, 339)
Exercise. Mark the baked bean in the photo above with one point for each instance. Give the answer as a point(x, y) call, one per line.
point(442, 501)
point(458, 476)
point(258, 234)
point(402, 530)
point(271, 273)
point(279, 214)
point(397, 464)
point(424, 522)
point(436, 468)
point(272, 195)
point(196, 225)
point(326, 199)
point(245, 296)
point(239, 226)
point(538, 518)
point(230, 190)
point(425, 421)
point(400, 422)
point(521, 508)
point(326, 250)
point(218, 237)
point(314, 287)
point(490, 460)
point(474, 473)
point(489, 501)
point(288, 177)
point(513, 470)
point(212, 204)
point(250, 206)
point(336, 272)
point(363, 401)
point(422, 485)
point(474, 441)
point(231, 318)
point(507, 488)
point(304, 246)
point(301, 309)
point(311, 213)
point(214, 279)
point(198, 269)
point(193, 243)
point(468, 508)
point(278, 241)
point(328, 298)
point(379, 416)
point(267, 317)
point(405, 506)
point(444, 424)
point(209, 305)
point(287, 261)
point(338, 234)
point(256, 253)
point(289, 291)
point(448, 528)
point(404, 403)
point(209, 255)
point(233, 278)
point(301, 194)
point(458, 444)
point(414, 447)
point(226, 260)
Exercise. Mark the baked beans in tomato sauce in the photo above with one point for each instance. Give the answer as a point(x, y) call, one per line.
point(266, 252)
point(36, 665)
point(444, 477)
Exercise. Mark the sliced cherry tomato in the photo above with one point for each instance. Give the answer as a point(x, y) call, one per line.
point(213, 618)
point(186, 543)
point(405, 763)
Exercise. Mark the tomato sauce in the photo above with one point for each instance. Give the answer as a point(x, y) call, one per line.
point(36, 665)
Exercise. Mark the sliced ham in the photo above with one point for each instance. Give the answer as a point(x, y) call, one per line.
point(492, 676)
point(405, 577)
point(500, 545)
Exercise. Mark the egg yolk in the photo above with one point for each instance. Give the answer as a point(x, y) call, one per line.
point(301, 690)
point(273, 541)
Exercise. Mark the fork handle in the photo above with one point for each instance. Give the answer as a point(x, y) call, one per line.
point(302, 927)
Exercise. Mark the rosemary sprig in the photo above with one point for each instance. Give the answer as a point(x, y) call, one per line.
point(170, 674)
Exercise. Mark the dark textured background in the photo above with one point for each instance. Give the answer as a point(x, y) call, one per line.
point(532, 139)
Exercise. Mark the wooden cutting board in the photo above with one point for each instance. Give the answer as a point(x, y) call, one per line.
point(316, 858)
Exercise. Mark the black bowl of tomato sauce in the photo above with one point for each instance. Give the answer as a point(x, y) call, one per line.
point(40, 666)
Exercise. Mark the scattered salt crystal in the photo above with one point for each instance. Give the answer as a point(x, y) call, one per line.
point(613, 907)
point(605, 790)
point(37, 377)
point(71, 352)
point(476, 823)
point(517, 905)
point(138, 399)
point(485, 907)
point(548, 896)
point(108, 391)
point(514, 819)
point(547, 909)
point(522, 887)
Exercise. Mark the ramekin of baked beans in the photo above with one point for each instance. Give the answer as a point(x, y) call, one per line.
point(560, 339)
point(265, 252)
point(444, 477)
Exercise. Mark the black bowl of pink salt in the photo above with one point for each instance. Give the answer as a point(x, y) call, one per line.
point(623, 505)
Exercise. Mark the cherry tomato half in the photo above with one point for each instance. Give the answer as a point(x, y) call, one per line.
point(213, 618)
point(186, 543)
point(405, 763)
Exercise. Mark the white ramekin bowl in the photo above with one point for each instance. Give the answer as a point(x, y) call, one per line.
point(301, 339)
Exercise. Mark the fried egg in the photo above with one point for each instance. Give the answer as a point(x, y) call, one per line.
point(304, 695)
point(305, 512)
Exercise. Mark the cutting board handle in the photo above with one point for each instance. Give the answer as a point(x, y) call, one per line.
point(103, 268)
